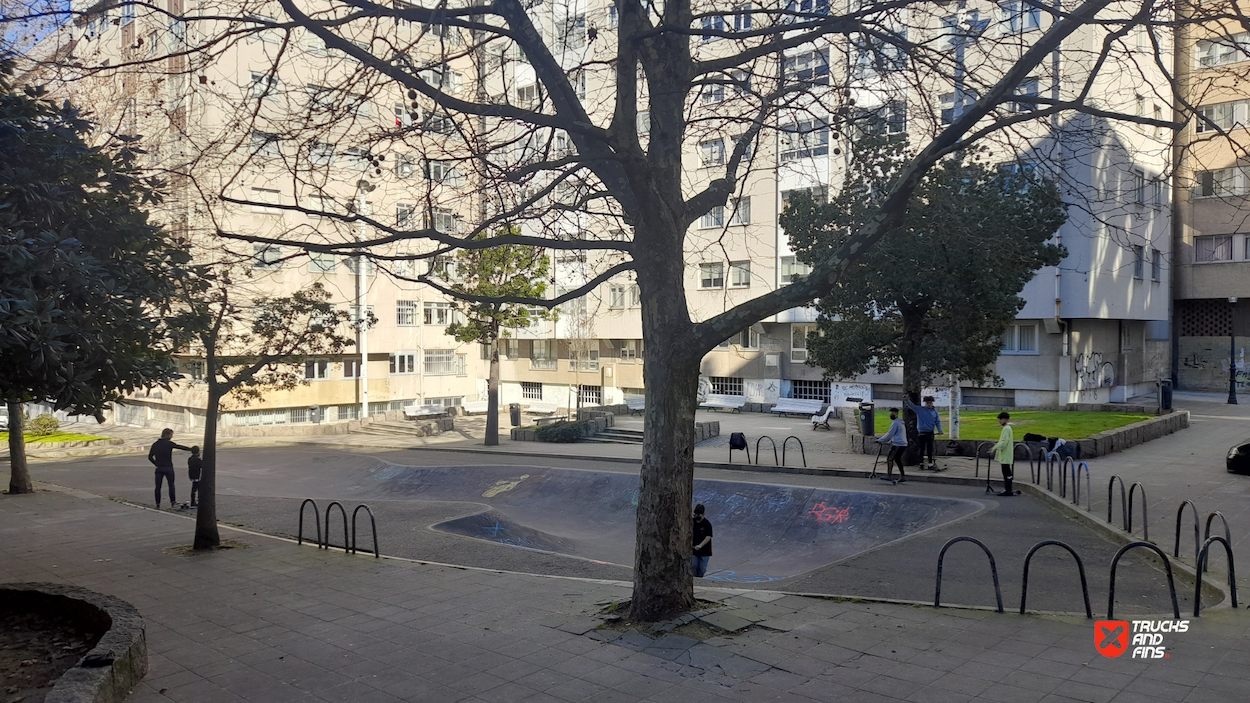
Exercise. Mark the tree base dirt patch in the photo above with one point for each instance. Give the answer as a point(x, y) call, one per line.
point(687, 625)
point(187, 550)
point(35, 650)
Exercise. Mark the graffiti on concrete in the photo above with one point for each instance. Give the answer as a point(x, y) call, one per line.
point(1093, 371)
point(829, 514)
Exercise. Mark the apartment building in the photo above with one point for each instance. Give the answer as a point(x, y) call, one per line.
point(1094, 329)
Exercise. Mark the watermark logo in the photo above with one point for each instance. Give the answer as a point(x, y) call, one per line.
point(1143, 638)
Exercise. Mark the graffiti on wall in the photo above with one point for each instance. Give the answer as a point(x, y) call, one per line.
point(839, 392)
point(1093, 371)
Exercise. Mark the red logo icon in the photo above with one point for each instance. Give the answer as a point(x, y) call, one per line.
point(1111, 637)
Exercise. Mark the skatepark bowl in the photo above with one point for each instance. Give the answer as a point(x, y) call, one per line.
point(763, 532)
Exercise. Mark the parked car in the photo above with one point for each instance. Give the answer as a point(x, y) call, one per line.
point(1239, 458)
point(4, 419)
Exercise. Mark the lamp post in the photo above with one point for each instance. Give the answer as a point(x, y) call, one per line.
point(1232, 351)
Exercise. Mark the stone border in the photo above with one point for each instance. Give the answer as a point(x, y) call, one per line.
point(110, 671)
point(103, 441)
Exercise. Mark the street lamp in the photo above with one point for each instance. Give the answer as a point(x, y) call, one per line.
point(1232, 351)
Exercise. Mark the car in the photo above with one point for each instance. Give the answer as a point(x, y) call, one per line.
point(4, 419)
point(1239, 458)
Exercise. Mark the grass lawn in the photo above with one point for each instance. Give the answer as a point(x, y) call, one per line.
point(54, 437)
point(983, 424)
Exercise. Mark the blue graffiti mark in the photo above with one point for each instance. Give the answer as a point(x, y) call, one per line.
point(724, 575)
point(520, 542)
point(495, 529)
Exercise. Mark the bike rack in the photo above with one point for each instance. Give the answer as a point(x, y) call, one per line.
point(1024, 588)
point(1052, 460)
point(1063, 476)
point(1123, 500)
point(745, 447)
point(998, 594)
point(1202, 566)
point(1176, 609)
point(343, 511)
point(1076, 486)
point(372, 523)
point(757, 450)
point(1180, 512)
point(1145, 522)
point(783, 450)
point(1035, 467)
point(880, 448)
point(1228, 537)
point(317, 521)
point(976, 457)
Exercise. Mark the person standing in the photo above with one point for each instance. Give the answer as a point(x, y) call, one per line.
point(1005, 453)
point(928, 422)
point(162, 457)
point(702, 542)
point(896, 437)
point(195, 469)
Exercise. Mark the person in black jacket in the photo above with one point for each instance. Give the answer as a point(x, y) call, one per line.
point(702, 542)
point(162, 457)
point(195, 468)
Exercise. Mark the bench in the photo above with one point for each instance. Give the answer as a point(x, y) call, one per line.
point(797, 406)
point(822, 419)
point(541, 408)
point(476, 407)
point(724, 402)
point(416, 412)
point(550, 420)
point(636, 404)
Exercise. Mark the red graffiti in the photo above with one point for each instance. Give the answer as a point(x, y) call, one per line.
point(830, 514)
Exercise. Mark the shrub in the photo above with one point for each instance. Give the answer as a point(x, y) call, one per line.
point(559, 432)
point(43, 426)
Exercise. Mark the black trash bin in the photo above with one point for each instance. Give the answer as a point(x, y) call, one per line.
point(867, 419)
point(514, 411)
point(1165, 394)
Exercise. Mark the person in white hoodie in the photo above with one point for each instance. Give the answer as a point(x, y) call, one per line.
point(896, 437)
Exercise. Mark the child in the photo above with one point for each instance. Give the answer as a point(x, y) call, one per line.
point(897, 439)
point(1005, 453)
point(195, 467)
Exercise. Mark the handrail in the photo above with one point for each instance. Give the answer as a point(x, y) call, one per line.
point(783, 450)
point(372, 523)
point(1207, 532)
point(1176, 609)
point(1202, 566)
point(757, 449)
point(317, 521)
point(1180, 512)
point(1024, 588)
point(1123, 500)
point(343, 511)
point(1145, 521)
point(937, 594)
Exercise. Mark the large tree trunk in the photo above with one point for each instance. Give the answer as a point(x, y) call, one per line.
point(19, 474)
point(492, 396)
point(909, 350)
point(206, 535)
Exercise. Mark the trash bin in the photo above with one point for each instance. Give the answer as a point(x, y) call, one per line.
point(314, 414)
point(1165, 394)
point(514, 411)
point(867, 419)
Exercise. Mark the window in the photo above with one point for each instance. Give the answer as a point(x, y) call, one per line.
point(890, 118)
point(1221, 183)
point(584, 360)
point(792, 269)
point(748, 339)
point(1139, 261)
point(128, 14)
point(810, 68)
point(439, 124)
point(709, 94)
point(810, 390)
point(742, 82)
point(262, 84)
point(740, 274)
point(357, 157)
point(403, 362)
point(322, 262)
point(573, 35)
point(951, 111)
point(265, 144)
point(590, 395)
point(543, 354)
point(741, 211)
point(1220, 118)
point(804, 138)
point(819, 194)
point(403, 115)
point(531, 390)
point(445, 268)
point(715, 23)
point(405, 166)
point(321, 153)
point(874, 56)
point(634, 392)
point(193, 370)
point(806, 7)
point(617, 296)
point(1139, 187)
point(405, 313)
point(1020, 16)
point(448, 402)
point(441, 77)
point(742, 17)
point(627, 350)
point(1020, 339)
point(443, 362)
point(404, 213)
point(440, 314)
point(713, 218)
point(1028, 90)
point(712, 275)
point(1224, 50)
point(444, 32)
point(1156, 265)
point(726, 385)
point(614, 17)
point(1213, 248)
point(444, 220)
point(1156, 192)
point(266, 256)
point(798, 341)
point(644, 122)
point(712, 152)
point(353, 315)
point(351, 368)
point(316, 370)
point(442, 172)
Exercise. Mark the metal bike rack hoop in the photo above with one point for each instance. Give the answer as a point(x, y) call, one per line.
point(802, 453)
point(317, 521)
point(757, 449)
point(1076, 486)
point(1123, 500)
point(1207, 532)
point(1202, 566)
point(1080, 566)
point(372, 523)
point(937, 593)
point(1176, 609)
point(343, 511)
point(1180, 513)
point(1145, 521)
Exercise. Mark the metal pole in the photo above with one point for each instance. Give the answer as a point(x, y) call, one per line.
point(1232, 351)
point(954, 410)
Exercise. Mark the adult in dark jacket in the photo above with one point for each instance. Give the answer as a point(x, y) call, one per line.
point(162, 457)
point(702, 542)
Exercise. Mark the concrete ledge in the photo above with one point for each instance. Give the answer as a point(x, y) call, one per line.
point(110, 671)
point(103, 442)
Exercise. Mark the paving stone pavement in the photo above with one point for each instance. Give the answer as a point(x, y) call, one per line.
point(278, 623)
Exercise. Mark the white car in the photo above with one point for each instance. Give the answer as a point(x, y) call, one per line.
point(4, 418)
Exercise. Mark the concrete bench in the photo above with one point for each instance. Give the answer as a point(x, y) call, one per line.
point(636, 404)
point(550, 420)
point(724, 402)
point(476, 407)
point(541, 408)
point(797, 406)
point(416, 412)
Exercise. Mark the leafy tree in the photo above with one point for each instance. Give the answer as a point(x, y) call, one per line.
point(938, 291)
point(484, 277)
point(250, 345)
point(85, 278)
